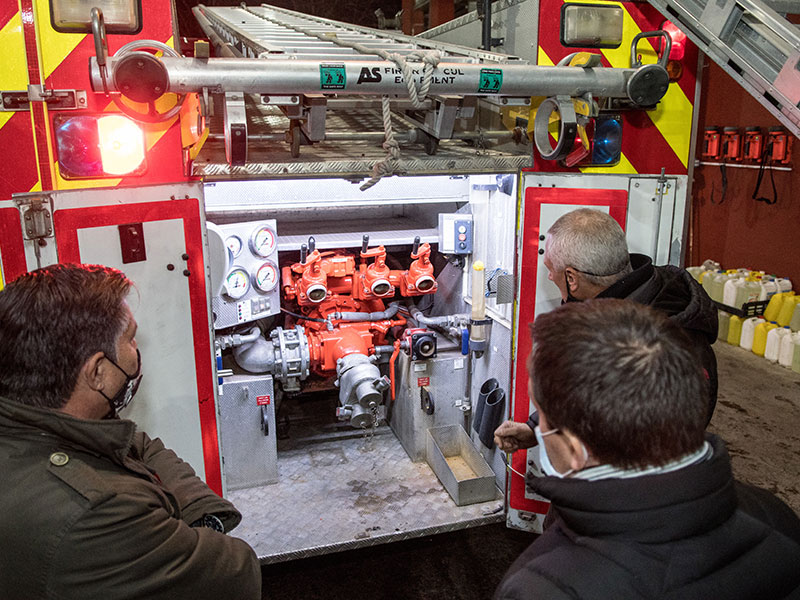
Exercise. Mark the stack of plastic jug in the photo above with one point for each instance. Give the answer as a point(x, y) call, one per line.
point(709, 266)
point(737, 287)
point(781, 324)
point(776, 334)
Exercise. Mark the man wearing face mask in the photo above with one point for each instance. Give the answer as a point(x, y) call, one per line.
point(586, 255)
point(91, 507)
point(644, 502)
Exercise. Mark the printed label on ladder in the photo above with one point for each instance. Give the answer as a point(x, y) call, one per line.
point(332, 77)
point(263, 400)
point(423, 381)
point(491, 81)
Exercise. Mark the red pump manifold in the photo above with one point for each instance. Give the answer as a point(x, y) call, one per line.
point(329, 283)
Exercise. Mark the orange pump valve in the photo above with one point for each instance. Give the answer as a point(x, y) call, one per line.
point(419, 279)
point(312, 287)
point(376, 279)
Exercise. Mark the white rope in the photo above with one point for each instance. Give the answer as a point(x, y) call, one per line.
point(429, 60)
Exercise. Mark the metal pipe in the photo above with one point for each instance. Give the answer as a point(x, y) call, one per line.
point(237, 339)
point(442, 321)
point(224, 48)
point(365, 316)
point(486, 27)
point(266, 76)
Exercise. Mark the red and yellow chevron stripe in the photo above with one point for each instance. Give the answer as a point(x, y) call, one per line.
point(651, 139)
point(35, 53)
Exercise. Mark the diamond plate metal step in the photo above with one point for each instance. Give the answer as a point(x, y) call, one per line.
point(347, 494)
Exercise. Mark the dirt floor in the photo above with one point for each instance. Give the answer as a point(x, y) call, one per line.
point(757, 414)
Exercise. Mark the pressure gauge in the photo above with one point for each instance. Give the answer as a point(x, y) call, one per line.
point(263, 241)
point(237, 283)
point(234, 244)
point(266, 277)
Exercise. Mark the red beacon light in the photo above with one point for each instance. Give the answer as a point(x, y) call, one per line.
point(677, 51)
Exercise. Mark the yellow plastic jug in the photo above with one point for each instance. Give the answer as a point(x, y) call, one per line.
point(734, 330)
point(787, 309)
point(760, 337)
point(774, 307)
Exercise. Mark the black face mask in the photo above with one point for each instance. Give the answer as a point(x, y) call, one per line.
point(128, 390)
point(570, 297)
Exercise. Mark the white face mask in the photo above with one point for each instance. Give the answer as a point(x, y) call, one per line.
point(544, 459)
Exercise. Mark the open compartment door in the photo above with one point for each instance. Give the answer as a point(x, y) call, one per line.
point(156, 236)
point(540, 207)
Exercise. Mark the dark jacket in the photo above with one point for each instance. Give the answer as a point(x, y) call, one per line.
point(674, 291)
point(692, 534)
point(95, 509)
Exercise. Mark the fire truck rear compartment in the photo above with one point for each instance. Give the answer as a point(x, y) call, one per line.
point(303, 386)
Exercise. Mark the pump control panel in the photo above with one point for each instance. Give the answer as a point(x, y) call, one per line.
point(455, 233)
point(249, 275)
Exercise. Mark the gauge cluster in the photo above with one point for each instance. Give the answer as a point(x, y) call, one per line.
point(249, 287)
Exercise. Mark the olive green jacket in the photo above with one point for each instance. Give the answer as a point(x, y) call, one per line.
point(95, 509)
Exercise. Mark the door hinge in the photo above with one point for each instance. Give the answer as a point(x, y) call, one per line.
point(14, 101)
point(36, 213)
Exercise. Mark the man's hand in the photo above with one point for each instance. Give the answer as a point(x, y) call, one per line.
point(512, 436)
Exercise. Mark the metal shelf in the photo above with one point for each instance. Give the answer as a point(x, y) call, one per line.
point(328, 241)
point(700, 163)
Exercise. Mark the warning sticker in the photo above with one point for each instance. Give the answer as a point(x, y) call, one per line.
point(491, 81)
point(263, 400)
point(423, 381)
point(332, 77)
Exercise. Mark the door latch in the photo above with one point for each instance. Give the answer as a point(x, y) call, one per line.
point(15, 101)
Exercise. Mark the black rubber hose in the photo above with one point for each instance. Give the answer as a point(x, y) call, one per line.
point(488, 386)
point(490, 419)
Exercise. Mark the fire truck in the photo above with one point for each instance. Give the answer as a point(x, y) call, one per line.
point(336, 232)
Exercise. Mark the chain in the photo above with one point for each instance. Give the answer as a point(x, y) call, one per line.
point(369, 431)
point(480, 143)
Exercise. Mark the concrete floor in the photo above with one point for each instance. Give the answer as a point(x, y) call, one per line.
point(757, 414)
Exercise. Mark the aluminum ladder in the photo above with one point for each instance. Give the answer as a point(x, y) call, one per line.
point(752, 43)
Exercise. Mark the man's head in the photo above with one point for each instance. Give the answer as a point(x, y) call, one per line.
point(621, 379)
point(585, 253)
point(60, 329)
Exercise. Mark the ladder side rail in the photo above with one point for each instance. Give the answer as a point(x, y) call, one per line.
point(444, 47)
point(276, 40)
point(740, 38)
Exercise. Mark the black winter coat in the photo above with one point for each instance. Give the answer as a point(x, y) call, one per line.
point(692, 534)
point(674, 291)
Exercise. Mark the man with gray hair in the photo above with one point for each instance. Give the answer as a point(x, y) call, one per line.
point(587, 257)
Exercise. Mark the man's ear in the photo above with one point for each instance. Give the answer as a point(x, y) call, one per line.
point(579, 457)
point(572, 278)
point(93, 371)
